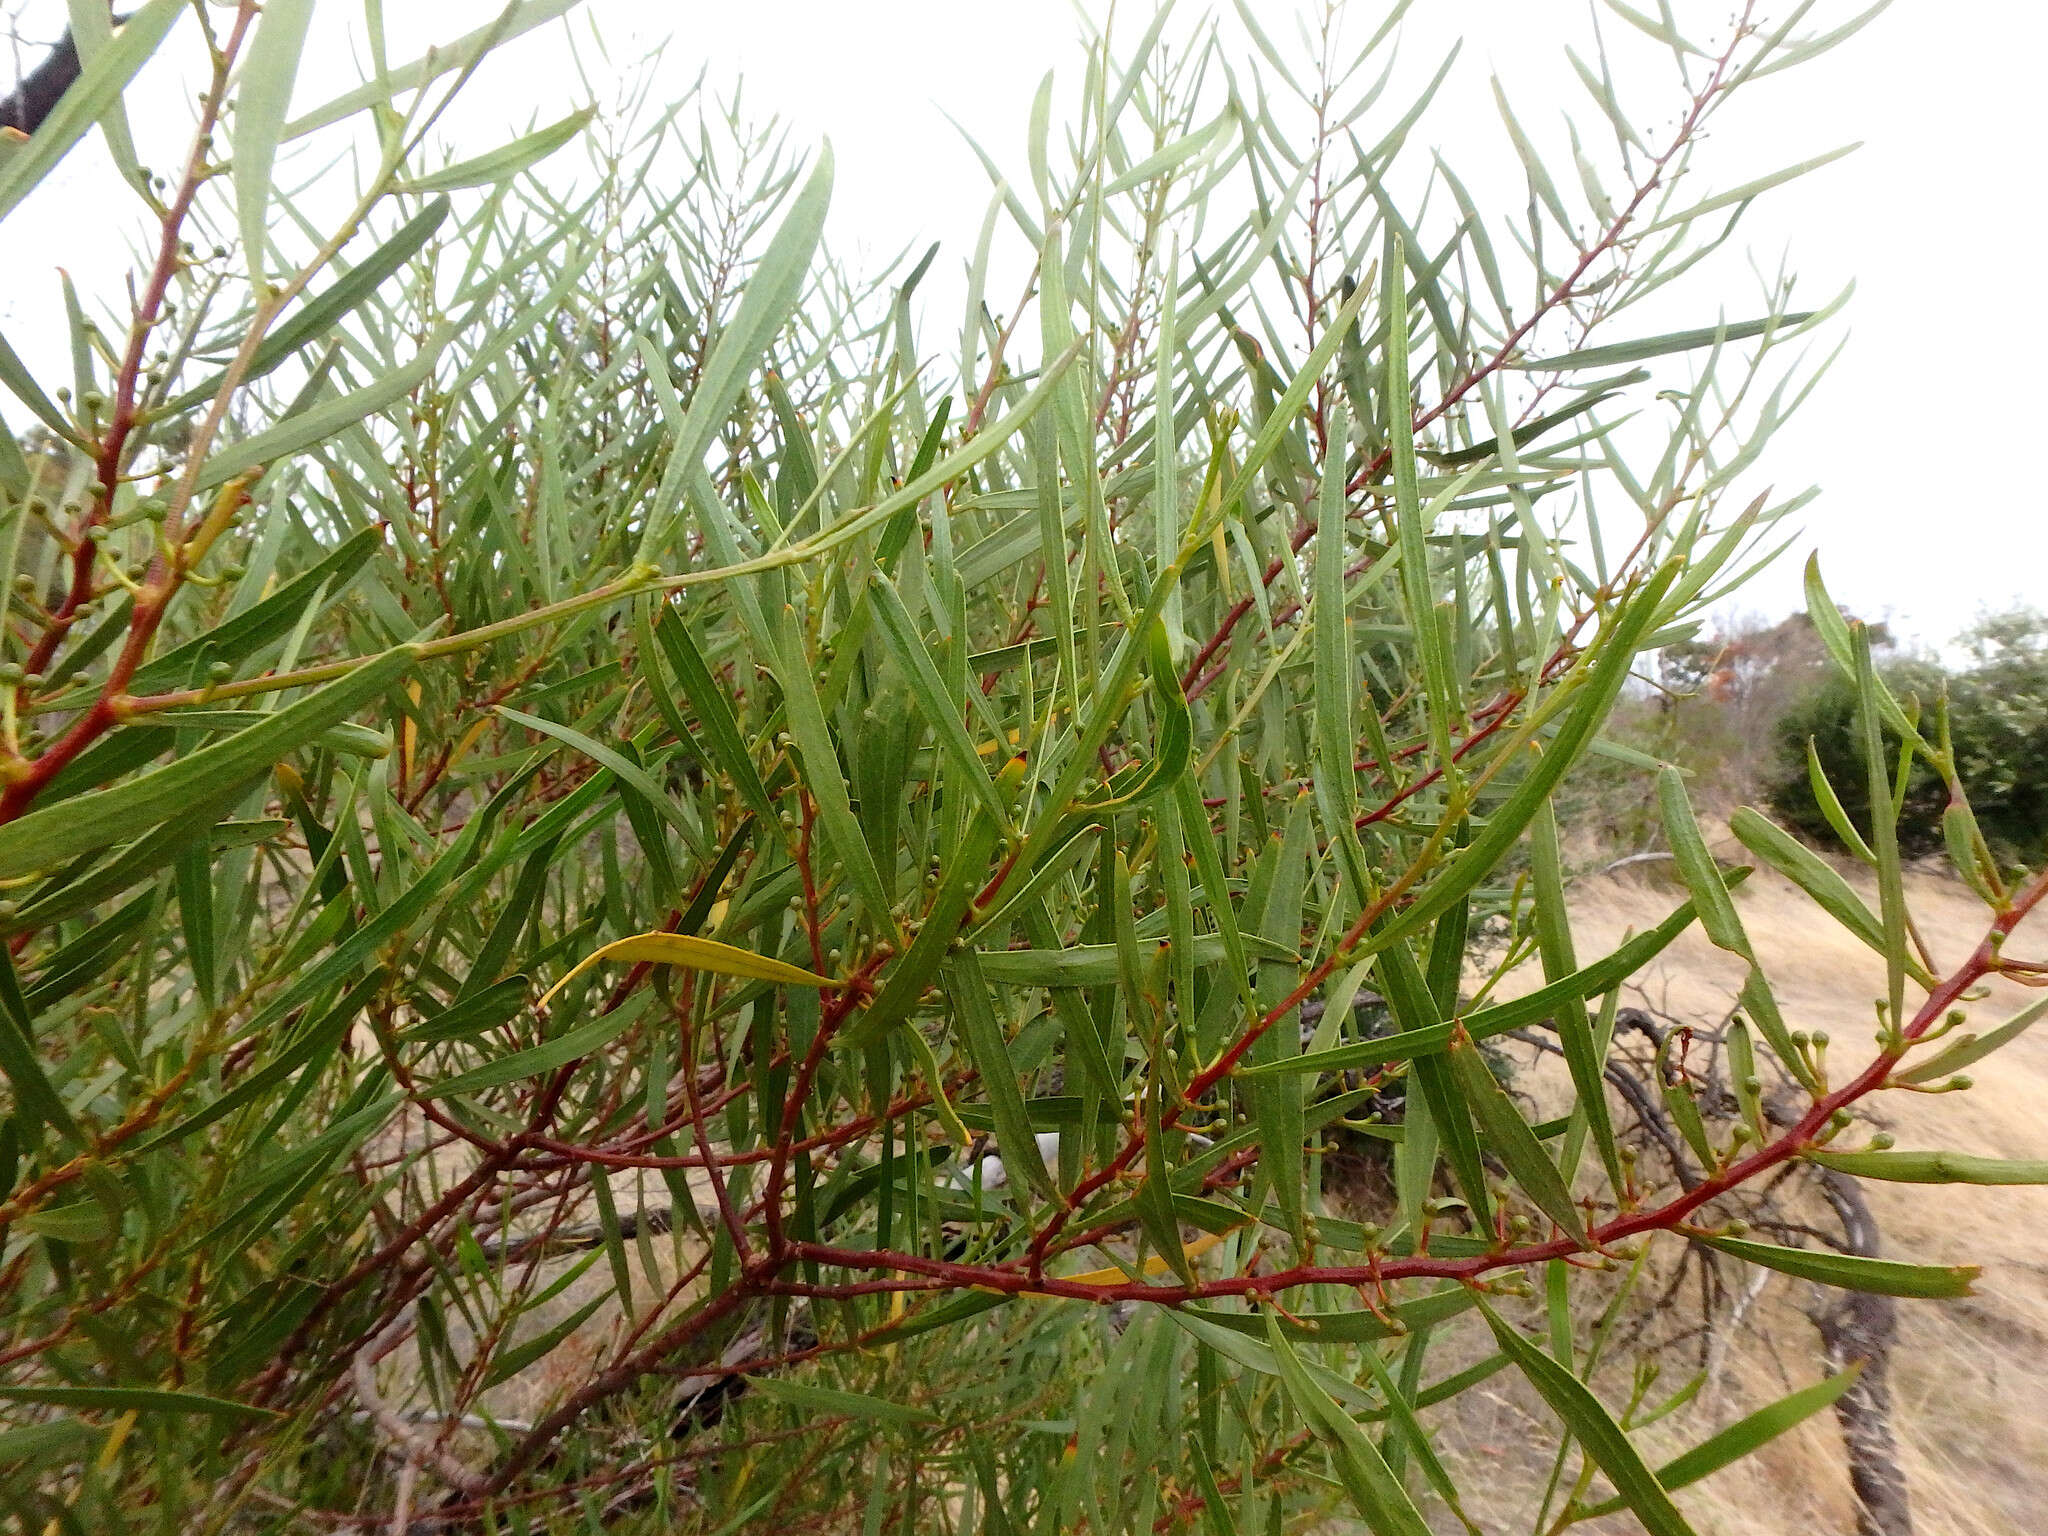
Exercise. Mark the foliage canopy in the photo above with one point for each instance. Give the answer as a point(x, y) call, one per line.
point(413, 606)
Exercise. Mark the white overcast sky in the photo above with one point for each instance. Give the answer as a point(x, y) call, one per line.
point(1920, 438)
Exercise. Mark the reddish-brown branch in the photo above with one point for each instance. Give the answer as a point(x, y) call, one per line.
point(112, 448)
point(1026, 1277)
point(27, 780)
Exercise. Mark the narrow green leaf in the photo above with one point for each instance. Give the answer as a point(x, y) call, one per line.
point(1156, 1213)
point(1508, 1136)
point(1375, 1492)
point(313, 1043)
point(92, 29)
point(262, 98)
point(1431, 1079)
point(1742, 1077)
point(1438, 677)
point(1744, 1437)
point(316, 319)
point(97, 88)
point(1852, 1272)
point(321, 423)
point(35, 1098)
point(816, 1401)
point(1807, 870)
point(1621, 352)
point(1604, 1440)
point(82, 1221)
point(944, 716)
point(1172, 156)
point(195, 915)
point(1602, 975)
point(514, 20)
point(772, 291)
point(1964, 840)
point(1749, 189)
point(558, 1052)
point(824, 778)
point(1934, 1167)
point(140, 1399)
point(622, 767)
point(1967, 1050)
point(474, 1015)
point(242, 636)
point(1697, 868)
point(1583, 1055)
point(1095, 965)
point(511, 1362)
point(982, 1036)
point(1884, 832)
point(1613, 655)
point(909, 974)
point(1359, 1326)
point(507, 160)
point(1831, 807)
point(46, 838)
point(714, 712)
point(53, 1442)
point(1335, 664)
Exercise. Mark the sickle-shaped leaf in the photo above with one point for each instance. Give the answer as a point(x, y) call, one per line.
point(694, 954)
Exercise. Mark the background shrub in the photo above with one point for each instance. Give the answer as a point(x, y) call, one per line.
point(1993, 706)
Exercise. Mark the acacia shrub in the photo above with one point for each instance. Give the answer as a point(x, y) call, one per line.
point(638, 897)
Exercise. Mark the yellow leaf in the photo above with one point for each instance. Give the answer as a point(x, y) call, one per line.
point(1154, 1264)
point(692, 954)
